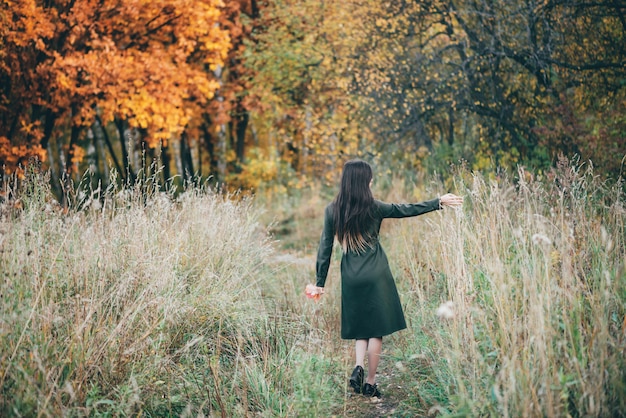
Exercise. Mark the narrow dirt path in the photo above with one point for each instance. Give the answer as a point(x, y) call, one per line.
point(359, 406)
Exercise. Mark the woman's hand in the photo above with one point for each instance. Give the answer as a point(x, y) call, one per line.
point(313, 292)
point(451, 200)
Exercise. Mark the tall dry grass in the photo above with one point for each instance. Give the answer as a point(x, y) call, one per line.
point(139, 303)
point(535, 271)
point(134, 302)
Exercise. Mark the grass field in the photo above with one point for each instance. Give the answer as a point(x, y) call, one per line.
point(135, 302)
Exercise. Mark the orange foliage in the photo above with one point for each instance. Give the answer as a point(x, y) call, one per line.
point(146, 62)
point(18, 155)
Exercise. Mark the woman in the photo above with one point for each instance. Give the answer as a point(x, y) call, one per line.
point(370, 305)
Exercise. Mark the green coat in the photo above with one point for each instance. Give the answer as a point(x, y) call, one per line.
point(370, 305)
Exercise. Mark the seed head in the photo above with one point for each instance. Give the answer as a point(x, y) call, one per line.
point(446, 310)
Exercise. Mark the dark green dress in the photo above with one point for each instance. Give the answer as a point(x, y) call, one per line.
point(370, 305)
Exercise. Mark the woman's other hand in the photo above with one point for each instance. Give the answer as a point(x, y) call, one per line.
point(451, 200)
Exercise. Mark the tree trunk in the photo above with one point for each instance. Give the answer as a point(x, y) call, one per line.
point(54, 173)
point(107, 140)
point(165, 160)
point(221, 134)
point(45, 144)
point(242, 119)
point(186, 159)
point(130, 176)
point(451, 122)
point(221, 154)
point(100, 151)
point(74, 134)
point(150, 164)
point(306, 139)
point(181, 154)
point(199, 161)
point(93, 157)
point(48, 127)
point(255, 9)
point(210, 147)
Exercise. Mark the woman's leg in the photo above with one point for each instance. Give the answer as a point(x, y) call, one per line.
point(356, 379)
point(374, 349)
point(360, 348)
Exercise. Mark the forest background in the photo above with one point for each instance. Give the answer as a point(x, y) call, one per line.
point(141, 278)
point(279, 93)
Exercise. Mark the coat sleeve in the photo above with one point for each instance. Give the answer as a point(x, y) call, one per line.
point(325, 249)
point(394, 210)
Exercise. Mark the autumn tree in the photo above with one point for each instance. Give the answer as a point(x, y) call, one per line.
point(499, 80)
point(225, 128)
point(69, 67)
point(488, 82)
point(303, 113)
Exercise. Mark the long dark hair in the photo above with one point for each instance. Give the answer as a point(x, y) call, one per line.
point(353, 207)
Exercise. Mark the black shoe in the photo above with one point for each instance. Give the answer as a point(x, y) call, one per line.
point(371, 391)
point(356, 380)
